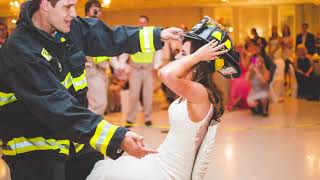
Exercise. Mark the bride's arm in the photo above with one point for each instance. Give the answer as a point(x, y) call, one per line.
point(172, 74)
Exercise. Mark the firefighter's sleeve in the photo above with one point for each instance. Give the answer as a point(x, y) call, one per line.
point(102, 40)
point(35, 85)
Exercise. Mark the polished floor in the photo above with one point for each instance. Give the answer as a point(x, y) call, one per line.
point(283, 146)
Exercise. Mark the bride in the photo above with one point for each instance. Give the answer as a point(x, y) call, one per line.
point(200, 105)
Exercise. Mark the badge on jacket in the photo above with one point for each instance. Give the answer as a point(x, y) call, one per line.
point(46, 54)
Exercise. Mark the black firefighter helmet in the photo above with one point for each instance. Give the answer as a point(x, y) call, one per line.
point(227, 64)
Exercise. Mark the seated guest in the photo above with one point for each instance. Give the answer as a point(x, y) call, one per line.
point(304, 73)
point(259, 76)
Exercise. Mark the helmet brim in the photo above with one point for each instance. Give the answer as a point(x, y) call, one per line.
point(195, 37)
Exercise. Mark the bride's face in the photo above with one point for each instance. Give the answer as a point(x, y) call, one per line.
point(185, 50)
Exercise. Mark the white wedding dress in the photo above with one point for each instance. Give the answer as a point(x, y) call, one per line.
point(176, 155)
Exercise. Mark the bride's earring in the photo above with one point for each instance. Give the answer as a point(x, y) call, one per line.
point(194, 73)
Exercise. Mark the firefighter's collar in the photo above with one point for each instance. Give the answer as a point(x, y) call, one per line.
point(58, 36)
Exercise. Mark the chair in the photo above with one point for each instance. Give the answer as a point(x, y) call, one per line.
point(202, 159)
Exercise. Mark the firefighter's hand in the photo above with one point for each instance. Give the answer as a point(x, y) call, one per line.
point(171, 33)
point(133, 145)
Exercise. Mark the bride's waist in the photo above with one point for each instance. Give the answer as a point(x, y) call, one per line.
point(175, 165)
point(173, 156)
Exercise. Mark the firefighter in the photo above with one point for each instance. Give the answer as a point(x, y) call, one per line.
point(44, 119)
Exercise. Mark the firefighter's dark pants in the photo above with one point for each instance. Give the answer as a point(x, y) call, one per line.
point(50, 166)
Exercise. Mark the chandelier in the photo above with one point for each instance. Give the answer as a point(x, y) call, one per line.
point(15, 8)
point(15, 4)
point(106, 3)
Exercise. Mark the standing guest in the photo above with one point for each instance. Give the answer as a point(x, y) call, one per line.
point(247, 42)
point(259, 40)
point(277, 88)
point(287, 55)
point(306, 38)
point(317, 44)
point(274, 42)
point(286, 43)
point(262, 44)
point(277, 83)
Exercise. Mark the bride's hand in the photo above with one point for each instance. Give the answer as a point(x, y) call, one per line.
point(210, 51)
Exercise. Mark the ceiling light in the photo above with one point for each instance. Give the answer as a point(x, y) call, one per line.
point(15, 4)
point(106, 3)
point(230, 29)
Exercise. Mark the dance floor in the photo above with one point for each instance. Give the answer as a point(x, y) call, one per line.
point(283, 146)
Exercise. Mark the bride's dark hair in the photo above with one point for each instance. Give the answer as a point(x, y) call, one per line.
point(200, 75)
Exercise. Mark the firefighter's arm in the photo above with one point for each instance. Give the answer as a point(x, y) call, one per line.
point(43, 95)
point(102, 40)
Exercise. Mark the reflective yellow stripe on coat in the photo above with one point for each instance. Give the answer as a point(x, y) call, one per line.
point(78, 147)
point(7, 98)
point(77, 82)
point(23, 145)
point(102, 136)
point(146, 39)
